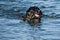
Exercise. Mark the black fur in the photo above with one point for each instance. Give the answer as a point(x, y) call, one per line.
point(30, 15)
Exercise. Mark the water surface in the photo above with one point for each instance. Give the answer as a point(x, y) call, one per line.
point(13, 28)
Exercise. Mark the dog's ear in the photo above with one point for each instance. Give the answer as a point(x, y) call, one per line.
point(40, 12)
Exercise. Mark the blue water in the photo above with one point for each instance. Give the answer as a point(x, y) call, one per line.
point(13, 28)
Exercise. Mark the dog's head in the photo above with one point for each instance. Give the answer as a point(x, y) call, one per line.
point(34, 14)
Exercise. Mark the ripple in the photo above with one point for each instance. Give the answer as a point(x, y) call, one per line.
point(13, 28)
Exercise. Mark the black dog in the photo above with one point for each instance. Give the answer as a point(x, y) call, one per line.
point(33, 15)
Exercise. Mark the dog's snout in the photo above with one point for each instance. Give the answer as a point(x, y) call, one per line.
point(36, 15)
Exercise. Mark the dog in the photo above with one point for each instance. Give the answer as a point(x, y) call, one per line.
point(33, 15)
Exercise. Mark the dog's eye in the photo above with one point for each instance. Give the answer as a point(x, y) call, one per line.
point(37, 13)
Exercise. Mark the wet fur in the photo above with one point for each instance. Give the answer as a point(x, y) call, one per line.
point(30, 15)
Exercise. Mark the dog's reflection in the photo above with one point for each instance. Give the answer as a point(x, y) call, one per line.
point(33, 15)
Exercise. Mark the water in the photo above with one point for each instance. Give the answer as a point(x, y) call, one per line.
point(13, 28)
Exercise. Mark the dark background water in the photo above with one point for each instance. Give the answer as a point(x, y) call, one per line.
point(13, 28)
